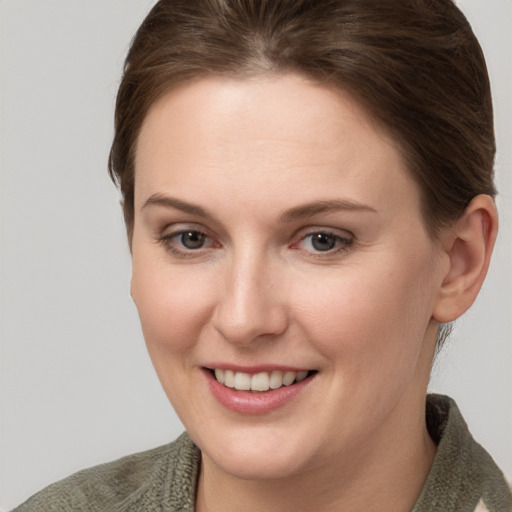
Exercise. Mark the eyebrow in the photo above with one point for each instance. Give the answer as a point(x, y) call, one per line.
point(293, 214)
point(178, 204)
point(316, 207)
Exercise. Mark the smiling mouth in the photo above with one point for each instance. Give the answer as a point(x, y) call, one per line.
point(259, 382)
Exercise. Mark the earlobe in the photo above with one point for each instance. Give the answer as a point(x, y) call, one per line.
point(468, 244)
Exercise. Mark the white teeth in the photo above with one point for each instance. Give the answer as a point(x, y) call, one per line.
point(219, 375)
point(242, 381)
point(276, 380)
point(259, 381)
point(229, 379)
point(301, 375)
point(288, 378)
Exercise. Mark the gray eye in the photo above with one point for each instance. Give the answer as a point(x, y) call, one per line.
point(192, 239)
point(323, 241)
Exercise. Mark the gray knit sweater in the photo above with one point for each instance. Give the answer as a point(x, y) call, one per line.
point(463, 477)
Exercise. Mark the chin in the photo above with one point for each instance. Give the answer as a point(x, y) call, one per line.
point(256, 467)
point(249, 456)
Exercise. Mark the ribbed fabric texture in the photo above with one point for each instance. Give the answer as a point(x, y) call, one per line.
point(463, 473)
point(159, 480)
point(463, 478)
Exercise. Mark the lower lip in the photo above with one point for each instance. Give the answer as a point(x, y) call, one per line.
point(247, 402)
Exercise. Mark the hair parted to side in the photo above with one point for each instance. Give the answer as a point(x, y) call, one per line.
point(415, 65)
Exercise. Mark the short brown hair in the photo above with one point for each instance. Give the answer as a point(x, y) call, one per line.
point(415, 65)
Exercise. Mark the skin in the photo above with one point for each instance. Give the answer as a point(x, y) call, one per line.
point(246, 156)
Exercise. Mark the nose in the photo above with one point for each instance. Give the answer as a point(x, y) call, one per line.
point(250, 306)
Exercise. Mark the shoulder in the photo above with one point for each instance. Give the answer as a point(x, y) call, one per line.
point(464, 477)
point(125, 484)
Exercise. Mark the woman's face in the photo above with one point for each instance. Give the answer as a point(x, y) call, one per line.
point(278, 237)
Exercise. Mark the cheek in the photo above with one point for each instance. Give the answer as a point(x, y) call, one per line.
point(173, 305)
point(363, 315)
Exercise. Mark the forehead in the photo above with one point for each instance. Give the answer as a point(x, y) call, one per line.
point(278, 132)
point(261, 107)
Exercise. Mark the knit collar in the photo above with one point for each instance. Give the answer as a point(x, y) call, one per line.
point(463, 474)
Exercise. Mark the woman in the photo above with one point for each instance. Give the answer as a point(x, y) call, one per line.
point(307, 189)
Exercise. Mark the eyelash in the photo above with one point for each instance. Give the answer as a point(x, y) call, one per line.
point(170, 242)
point(342, 243)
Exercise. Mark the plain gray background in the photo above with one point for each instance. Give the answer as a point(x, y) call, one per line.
point(76, 385)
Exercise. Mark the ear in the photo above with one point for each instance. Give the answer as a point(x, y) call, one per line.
point(468, 245)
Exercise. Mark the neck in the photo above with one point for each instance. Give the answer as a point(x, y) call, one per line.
point(386, 474)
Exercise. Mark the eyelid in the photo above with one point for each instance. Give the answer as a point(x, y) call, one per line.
point(176, 228)
point(167, 239)
point(311, 230)
point(346, 237)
